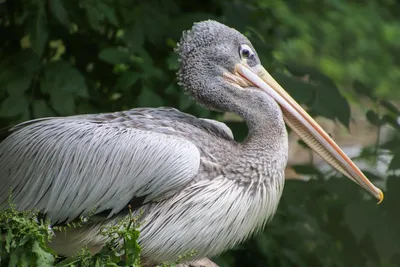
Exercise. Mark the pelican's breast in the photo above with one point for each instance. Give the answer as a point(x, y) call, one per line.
point(209, 217)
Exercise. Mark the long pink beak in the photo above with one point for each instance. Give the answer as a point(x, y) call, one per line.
point(307, 128)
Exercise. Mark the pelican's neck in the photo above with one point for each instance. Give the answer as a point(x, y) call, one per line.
point(267, 135)
point(263, 154)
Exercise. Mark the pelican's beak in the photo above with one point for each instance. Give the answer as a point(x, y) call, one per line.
point(307, 128)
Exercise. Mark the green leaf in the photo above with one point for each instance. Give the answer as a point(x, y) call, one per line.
point(114, 55)
point(185, 20)
point(155, 19)
point(362, 89)
point(17, 86)
point(17, 71)
point(13, 260)
point(59, 12)
point(13, 106)
point(61, 76)
point(108, 12)
point(303, 92)
point(126, 80)
point(63, 103)
point(172, 62)
point(312, 73)
point(147, 98)
point(43, 258)
point(146, 63)
point(27, 62)
point(69, 262)
point(307, 170)
point(395, 162)
point(9, 237)
point(386, 242)
point(185, 101)
point(373, 118)
point(38, 31)
point(2, 249)
point(40, 109)
point(390, 107)
point(94, 16)
point(331, 104)
point(24, 260)
point(172, 89)
point(358, 219)
point(392, 120)
point(134, 37)
point(64, 84)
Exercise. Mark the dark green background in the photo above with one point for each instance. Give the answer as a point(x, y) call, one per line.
point(60, 57)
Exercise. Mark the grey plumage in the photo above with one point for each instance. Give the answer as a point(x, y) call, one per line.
point(110, 143)
point(199, 189)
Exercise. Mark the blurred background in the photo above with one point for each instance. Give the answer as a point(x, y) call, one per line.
point(340, 59)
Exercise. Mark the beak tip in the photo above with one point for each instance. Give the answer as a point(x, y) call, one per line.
point(380, 196)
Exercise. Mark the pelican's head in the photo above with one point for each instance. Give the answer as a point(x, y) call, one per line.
point(218, 66)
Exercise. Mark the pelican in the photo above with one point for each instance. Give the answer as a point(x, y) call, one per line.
point(198, 189)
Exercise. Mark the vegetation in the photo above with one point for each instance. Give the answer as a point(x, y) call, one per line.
point(26, 238)
point(60, 57)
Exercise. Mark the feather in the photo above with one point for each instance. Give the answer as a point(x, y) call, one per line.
point(70, 167)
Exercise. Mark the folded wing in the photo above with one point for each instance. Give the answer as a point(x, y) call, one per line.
point(71, 167)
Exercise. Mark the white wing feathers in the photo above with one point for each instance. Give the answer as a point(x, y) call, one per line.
point(68, 168)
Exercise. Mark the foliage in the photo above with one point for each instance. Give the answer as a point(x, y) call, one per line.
point(25, 242)
point(122, 248)
point(345, 40)
point(64, 57)
point(23, 239)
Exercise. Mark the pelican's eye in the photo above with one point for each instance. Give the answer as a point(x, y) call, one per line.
point(245, 52)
